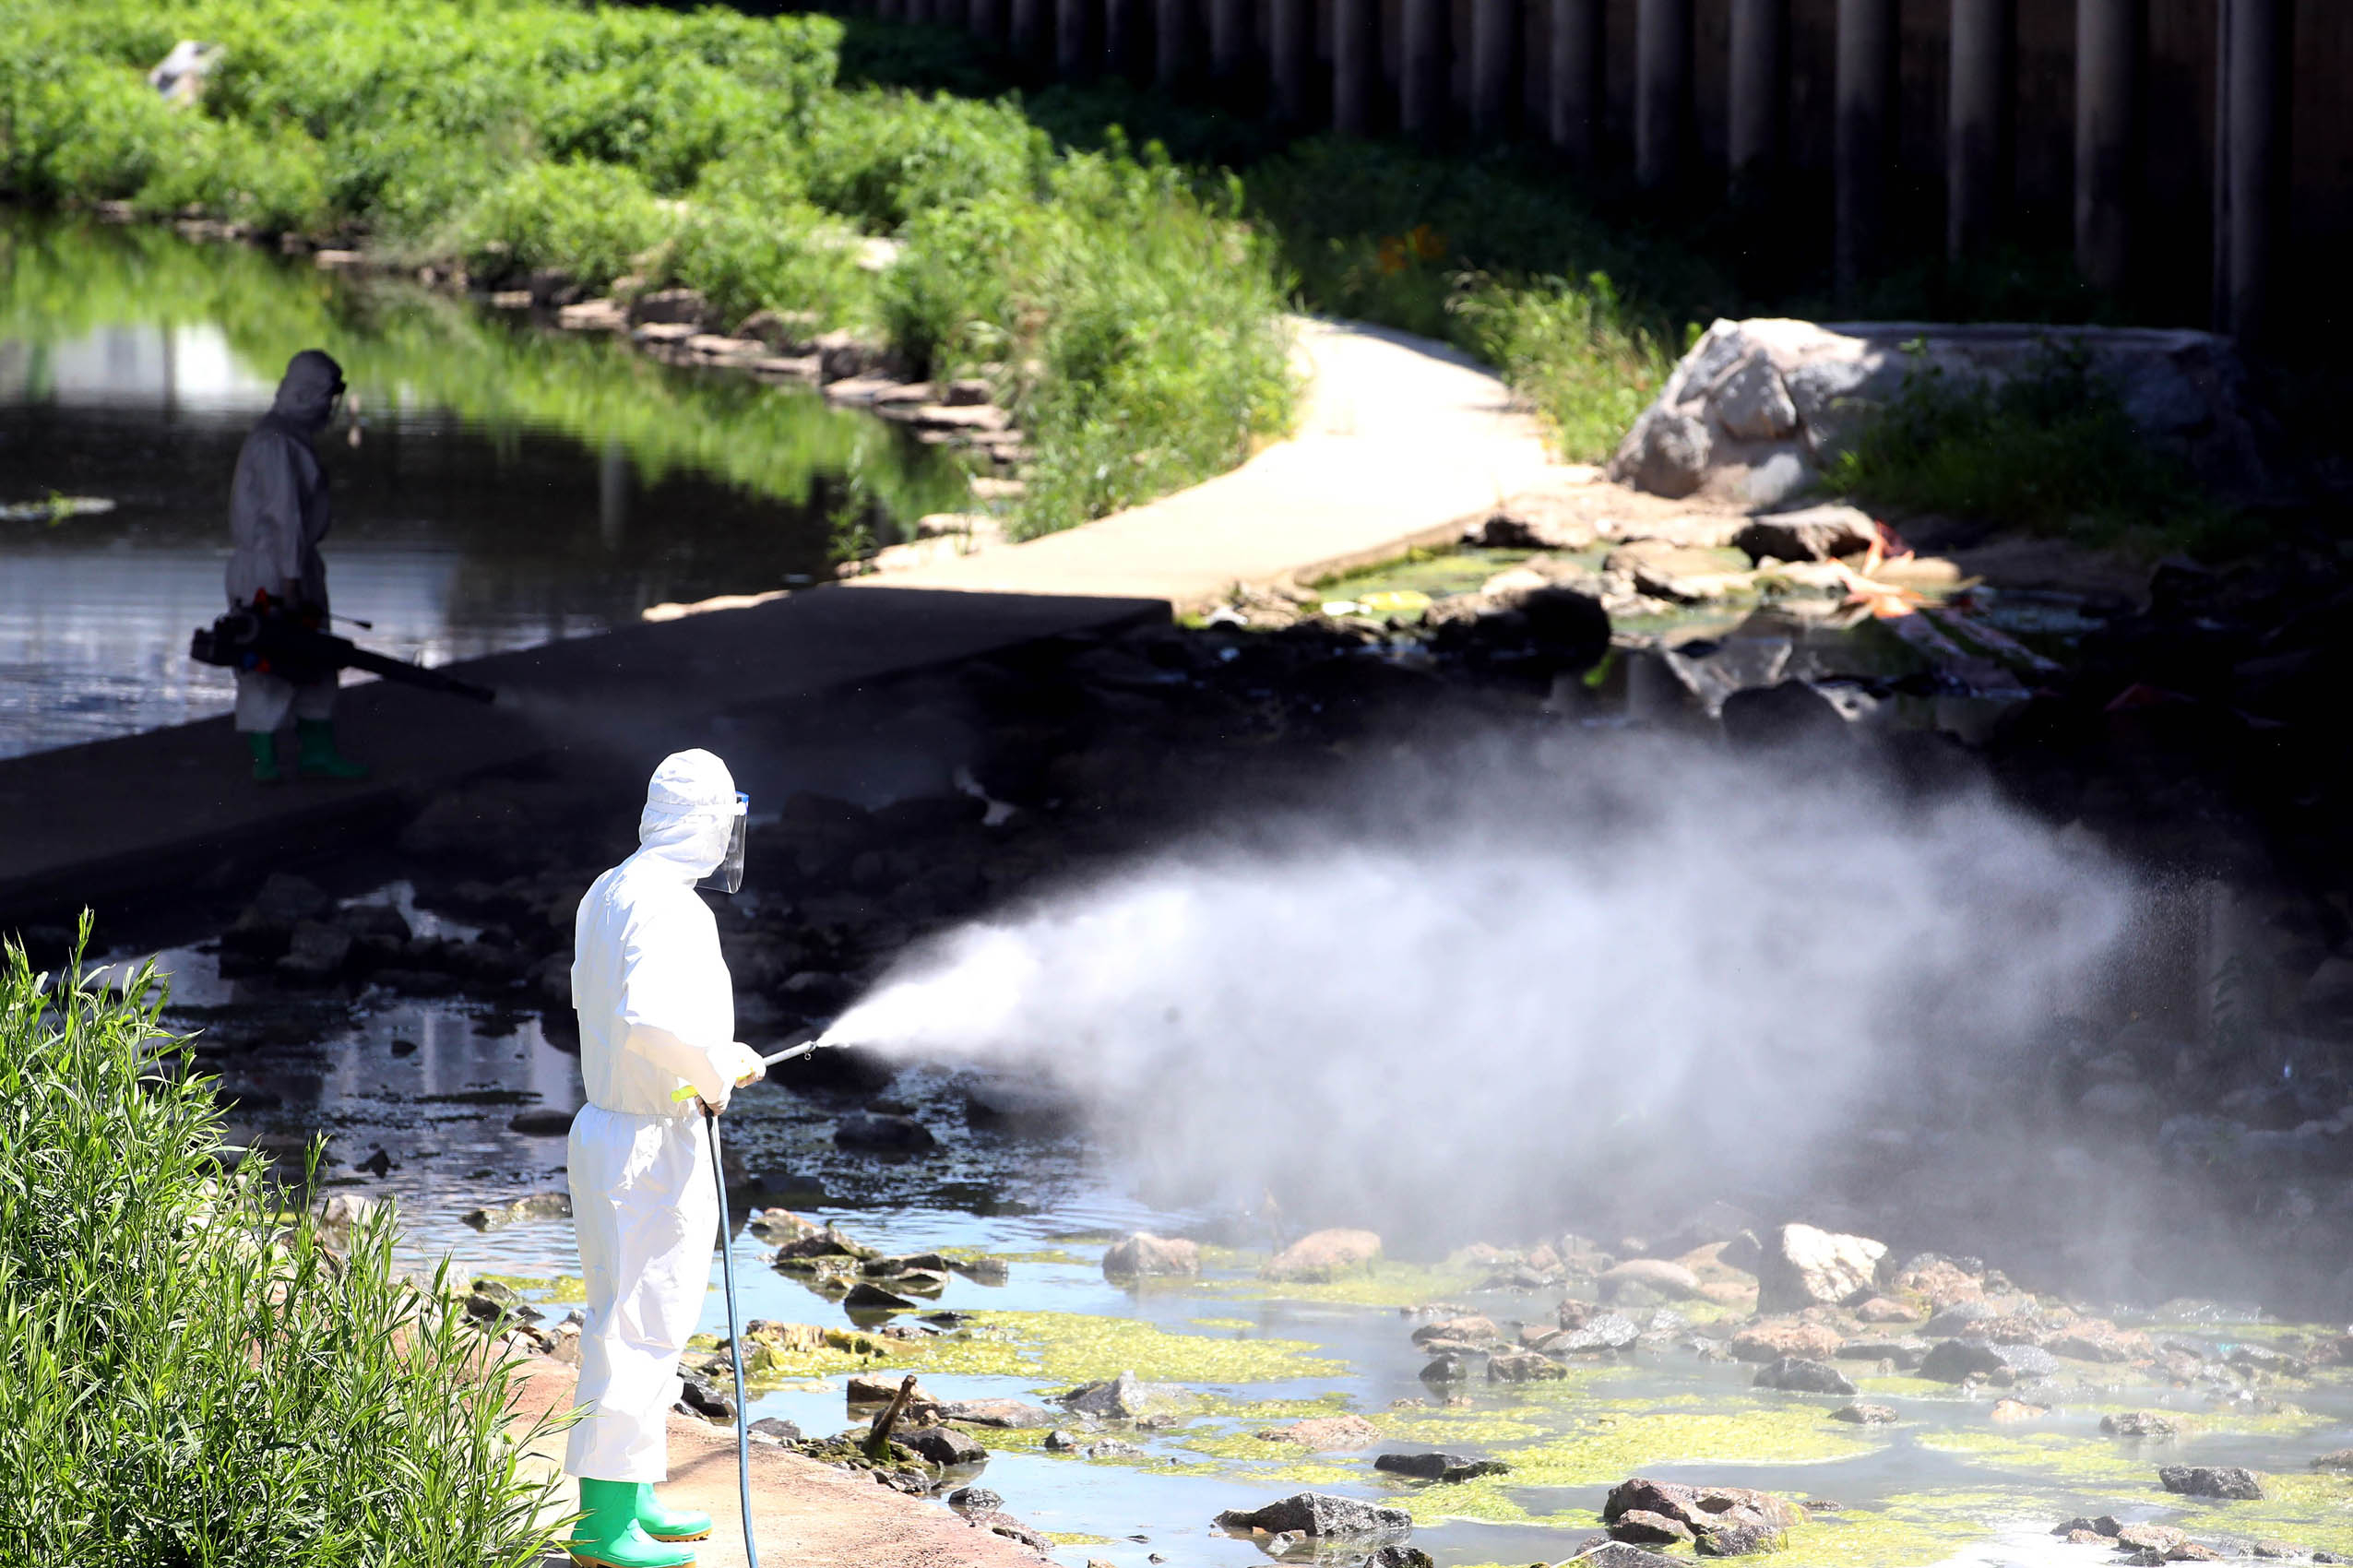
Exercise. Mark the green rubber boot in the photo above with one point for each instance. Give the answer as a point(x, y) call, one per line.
point(609, 1536)
point(319, 757)
point(264, 746)
point(670, 1524)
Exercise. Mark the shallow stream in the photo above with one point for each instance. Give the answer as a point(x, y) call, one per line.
point(497, 485)
point(433, 1084)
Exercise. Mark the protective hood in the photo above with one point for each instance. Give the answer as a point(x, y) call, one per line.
point(690, 814)
point(306, 396)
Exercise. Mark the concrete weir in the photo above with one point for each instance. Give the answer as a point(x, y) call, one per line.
point(95, 823)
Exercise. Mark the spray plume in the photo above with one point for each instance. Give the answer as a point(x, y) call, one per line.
point(1524, 981)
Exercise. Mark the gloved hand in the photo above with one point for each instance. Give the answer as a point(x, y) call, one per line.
point(741, 1065)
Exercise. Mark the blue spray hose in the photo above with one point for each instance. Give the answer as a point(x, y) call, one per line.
point(734, 1344)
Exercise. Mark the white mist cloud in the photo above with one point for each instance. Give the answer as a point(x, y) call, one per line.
point(1523, 981)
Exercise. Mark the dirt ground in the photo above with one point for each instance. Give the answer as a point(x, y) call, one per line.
point(808, 1515)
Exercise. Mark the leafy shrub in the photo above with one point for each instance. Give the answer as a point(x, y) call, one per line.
point(1570, 350)
point(784, 258)
point(186, 1379)
point(2050, 449)
point(882, 158)
point(590, 220)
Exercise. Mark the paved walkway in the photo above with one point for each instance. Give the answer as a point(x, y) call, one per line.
point(1403, 439)
point(118, 818)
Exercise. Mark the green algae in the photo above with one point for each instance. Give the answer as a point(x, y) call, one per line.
point(1234, 1323)
point(2312, 1511)
point(1042, 1255)
point(564, 1288)
point(1915, 1528)
point(1611, 1446)
point(1232, 1272)
point(1063, 1348)
point(2090, 1460)
point(1075, 1538)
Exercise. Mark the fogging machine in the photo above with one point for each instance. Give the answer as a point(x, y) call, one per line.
point(268, 639)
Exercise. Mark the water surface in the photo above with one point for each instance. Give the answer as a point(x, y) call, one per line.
point(501, 485)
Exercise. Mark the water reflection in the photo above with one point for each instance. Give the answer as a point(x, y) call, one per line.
point(509, 487)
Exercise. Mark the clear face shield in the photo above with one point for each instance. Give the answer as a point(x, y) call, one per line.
point(728, 876)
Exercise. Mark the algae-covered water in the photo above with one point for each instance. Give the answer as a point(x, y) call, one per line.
point(499, 485)
point(433, 1084)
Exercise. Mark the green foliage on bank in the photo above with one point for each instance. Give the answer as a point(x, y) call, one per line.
point(2050, 451)
point(186, 1378)
point(61, 281)
point(1129, 313)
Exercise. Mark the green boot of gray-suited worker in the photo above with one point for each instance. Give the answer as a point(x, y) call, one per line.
point(318, 757)
point(608, 1534)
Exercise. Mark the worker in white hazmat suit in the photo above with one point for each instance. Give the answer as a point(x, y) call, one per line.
point(656, 1013)
point(277, 514)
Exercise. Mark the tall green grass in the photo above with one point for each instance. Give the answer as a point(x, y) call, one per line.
point(701, 148)
point(187, 1377)
point(2051, 450)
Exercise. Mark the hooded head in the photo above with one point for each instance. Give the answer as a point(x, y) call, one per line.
point(690, 812)
point(307, 392)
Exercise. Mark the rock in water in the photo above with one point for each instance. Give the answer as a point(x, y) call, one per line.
point(868, 1297)
point(1123, 1398)
point(1957, 1360)
point(1866, 1414)
point(1811, 533)
point(1622, 1554)
point(1803, 1267)
point(1144, 1255)
point(1397, 1556)
point(974, 1499)
point(942, 1445)
point(1701, 1508)
point(1325, 1255)
point(884, 1134)
point(2229, 1482)
point(1794, 1376)
point(1644, 1528)
point(2141, 1423)
point(1439, 1466)
point(1523, 1366)
point(1744, 1540)
point(1609, 1332)
point(1319, 1515)
point(1322, 1433)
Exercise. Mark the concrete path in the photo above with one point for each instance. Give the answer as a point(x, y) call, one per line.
point(1403, 439)
point(86, 825)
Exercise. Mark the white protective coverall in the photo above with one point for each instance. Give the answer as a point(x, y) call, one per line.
point(277, 516)
point(657, 1012)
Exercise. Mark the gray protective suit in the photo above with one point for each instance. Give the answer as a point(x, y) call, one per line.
point(277, 514)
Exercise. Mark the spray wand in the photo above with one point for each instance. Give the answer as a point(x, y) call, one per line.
point(735, 1323)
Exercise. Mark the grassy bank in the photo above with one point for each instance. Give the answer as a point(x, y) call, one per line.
point(190, 1378)
point(1124, 309)
point(60, 280)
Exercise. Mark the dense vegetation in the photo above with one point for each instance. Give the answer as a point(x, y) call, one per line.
point(60, 280)
point(2050, 451)
point(190, 1379)
point(1132, 317)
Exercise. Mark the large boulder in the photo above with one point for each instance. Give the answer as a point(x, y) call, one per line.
point(1323, 1255)
point(1757, 409)
point(1701, 1509)
point(1319, 1515)
point(1143, 1255)
point(1803, 1267)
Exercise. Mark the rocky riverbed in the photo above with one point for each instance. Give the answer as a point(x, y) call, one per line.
point(2162, 1185)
